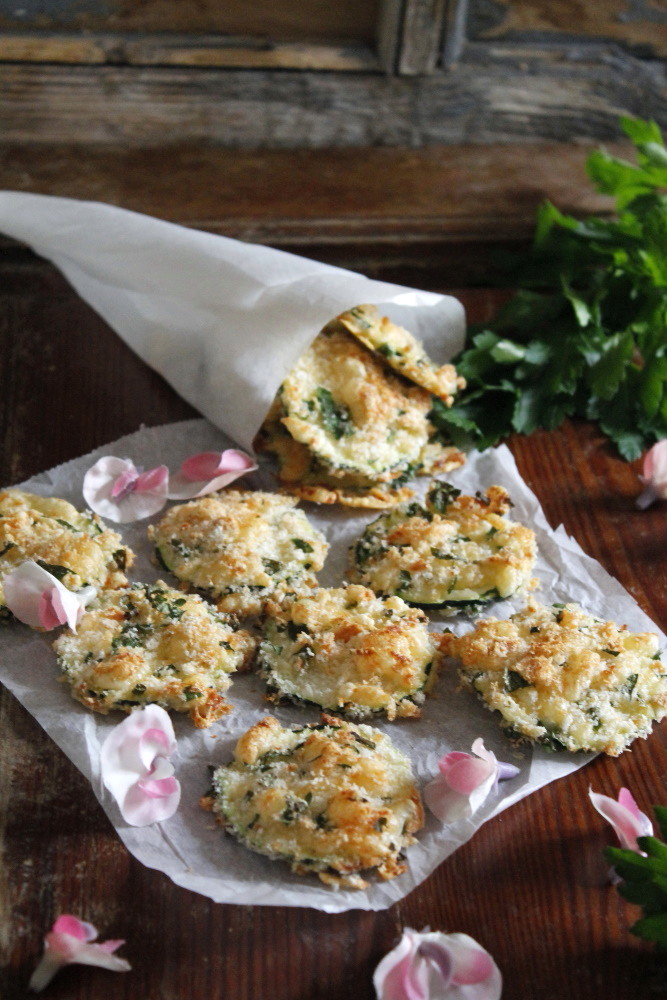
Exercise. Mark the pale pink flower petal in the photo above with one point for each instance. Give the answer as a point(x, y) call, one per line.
point(209, 471)
point(69, 942)
point(624, 816)
point(135, 766)
point(654, 475)
point(115, 489)
point(435, 966)
point(464, 776)
point(465, 782)
point(38, 599)
point(67, 924)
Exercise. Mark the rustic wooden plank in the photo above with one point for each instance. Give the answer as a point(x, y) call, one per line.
point(433, 211)
point(422, 36)
point(497, 94)
point(283, 20)
point(390, 25)
point(636, 24)
point(176, 49)
point(456, 24)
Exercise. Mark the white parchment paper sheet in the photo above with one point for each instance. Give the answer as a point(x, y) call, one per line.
point(189, 848)
point(223, 321)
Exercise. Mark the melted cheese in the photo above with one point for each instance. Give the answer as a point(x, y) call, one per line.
point(334, 798)
point(563, 678)
point(150, 644)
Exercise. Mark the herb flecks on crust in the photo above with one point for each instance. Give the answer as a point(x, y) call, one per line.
point(151, 644)
point(454, 552)
point(333, 798)
point(74, 546)
point(240, 548)
point(564, 679)
point(348, 650)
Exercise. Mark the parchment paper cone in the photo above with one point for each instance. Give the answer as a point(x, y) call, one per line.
point(222, 320)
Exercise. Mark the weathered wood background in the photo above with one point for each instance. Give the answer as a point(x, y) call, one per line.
point(290, 75)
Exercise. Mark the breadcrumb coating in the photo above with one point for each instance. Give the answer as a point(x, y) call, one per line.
point(562, 678)
point(332, 798)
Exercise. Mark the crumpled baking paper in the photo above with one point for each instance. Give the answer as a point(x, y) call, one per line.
point(189, 847)
point(223, 321)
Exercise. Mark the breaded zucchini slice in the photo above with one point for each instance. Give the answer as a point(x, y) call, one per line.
point(351, 413)
point(565, 679)
point(333, 798)
point(401, 351)
point(150, 644)
point(456, 552)
point(303, 476)
point(347, 650)
point(74, 546)
point(240, 548)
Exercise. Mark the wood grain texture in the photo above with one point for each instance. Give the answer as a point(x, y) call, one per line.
point(531, 885)
point(307, 20)
point(638, 24)
point(429, 215)
point(499, 93)
point(175, 49)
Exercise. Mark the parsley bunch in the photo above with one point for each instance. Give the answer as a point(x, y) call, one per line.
point(645, 883)
point(586, 334)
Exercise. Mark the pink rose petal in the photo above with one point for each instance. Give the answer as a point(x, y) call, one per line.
point(467, 775)
point(654, 475)
point(435, 966)
point(35, 597)
point(465, 782)
point(115, 489)
point(135, 768)
point(67, 924)
point(624, 816)
point(69, 942)
point(209, 471)
point(124, 483)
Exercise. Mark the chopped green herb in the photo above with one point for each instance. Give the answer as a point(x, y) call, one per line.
point(58, 571)
point(120, 558)
point(336, 417)
point(630, 684)
point(272, 566)
point(299, 543)
point(66, 524)
point(440, 496)
point(131, 635)
point(387, 351)
point(364, 742)
point(514, 681)
point(190, 693)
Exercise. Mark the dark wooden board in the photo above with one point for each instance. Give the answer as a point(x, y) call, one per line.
point(531, 885)
point(441, 214)
point(497, 93)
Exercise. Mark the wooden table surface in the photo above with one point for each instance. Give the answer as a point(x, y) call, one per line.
point(531, 886)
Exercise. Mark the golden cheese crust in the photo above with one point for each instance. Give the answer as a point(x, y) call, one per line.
point(150, 644)
point(401, 351)
point(240, 548)
point(353, 415)
point(349, 651)
point(75, 547)
point(563, 678)
point(301, 475)
point(334, 798)
point(455, 552)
